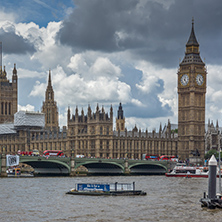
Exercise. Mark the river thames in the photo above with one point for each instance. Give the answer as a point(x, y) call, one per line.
point(44, 199)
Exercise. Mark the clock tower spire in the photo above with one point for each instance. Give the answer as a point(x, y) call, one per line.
point(191, 102)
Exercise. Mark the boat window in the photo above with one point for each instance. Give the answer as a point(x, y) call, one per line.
point(185, 171)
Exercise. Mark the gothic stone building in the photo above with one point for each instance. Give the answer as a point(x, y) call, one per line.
point(8, 93)
point(192, 78)
point(92, 134)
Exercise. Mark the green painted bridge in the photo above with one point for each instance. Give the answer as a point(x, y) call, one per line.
point(94, 166)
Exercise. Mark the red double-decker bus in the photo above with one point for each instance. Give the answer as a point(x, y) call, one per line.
point(57, 153)
point(152, 157)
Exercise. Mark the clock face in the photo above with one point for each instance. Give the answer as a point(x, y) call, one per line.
point(184, 79)
point(199, 79)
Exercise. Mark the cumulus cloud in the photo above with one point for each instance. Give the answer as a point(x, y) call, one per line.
point(38, 89)
point(28, 107)
point(18, 44)
point(112, 26)
point(24, 73)
point(74, 89)
point(6, 16)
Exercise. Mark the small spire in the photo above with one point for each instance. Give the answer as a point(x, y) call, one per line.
point(4, 72)
point(89, 110)
point(192, 39)
point(68, 112)
point(14, 70)
point(120, 112)
point(160, 129)
point(49, 80)
point(111, 108)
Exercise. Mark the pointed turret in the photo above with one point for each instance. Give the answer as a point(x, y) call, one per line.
point(120, 120)
point(192, 39)
point(89, 112)
point(111, 109)
point(192, 55)
point(68, 113)
point(77, 111)
point(49, 91)
point(97, 108)
point(111, 113)
point(120, 112)
point(50, 107)
point(49, 79)
point(14, 70)
point(160, 130)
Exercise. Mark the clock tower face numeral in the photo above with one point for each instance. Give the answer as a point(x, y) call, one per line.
point(184, 79)
point(199, 79)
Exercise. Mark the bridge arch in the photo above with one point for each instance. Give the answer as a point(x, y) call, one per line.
point(49, 167)
point(102, 168)
point(147, 168)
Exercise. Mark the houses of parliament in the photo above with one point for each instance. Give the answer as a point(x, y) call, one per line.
point(92, 133)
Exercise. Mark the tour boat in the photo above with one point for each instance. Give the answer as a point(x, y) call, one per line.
point(188, 171)
point(112, 189)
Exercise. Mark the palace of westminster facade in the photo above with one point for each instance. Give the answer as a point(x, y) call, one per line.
point(92, 135)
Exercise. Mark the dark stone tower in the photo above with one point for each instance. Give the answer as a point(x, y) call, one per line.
point(8, 93)
point(120, 120)
point(191, 102)
point(50, 107)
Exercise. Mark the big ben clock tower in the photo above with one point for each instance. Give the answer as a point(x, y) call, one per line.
point(192, 77)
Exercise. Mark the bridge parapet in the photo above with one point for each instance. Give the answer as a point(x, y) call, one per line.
point(69, 165)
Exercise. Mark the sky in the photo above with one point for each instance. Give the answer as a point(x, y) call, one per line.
point(107, 52)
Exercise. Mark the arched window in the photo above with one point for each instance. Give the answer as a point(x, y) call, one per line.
point(6, 108)
point(2, 108)
point(49, 116)
point(9, 108)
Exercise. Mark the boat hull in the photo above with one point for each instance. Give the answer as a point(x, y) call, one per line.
point(186, 175)
point(109, 193)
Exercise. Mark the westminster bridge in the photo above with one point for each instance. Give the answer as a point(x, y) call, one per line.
point(70, 166)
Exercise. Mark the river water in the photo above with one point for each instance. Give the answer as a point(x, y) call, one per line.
point(44, 199)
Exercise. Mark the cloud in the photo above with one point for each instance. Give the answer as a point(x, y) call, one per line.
point(114, 26)
point(108, 52)
point(38, 89)
point(28, 107)
point(214, 92)
point(12, 41)
point(6, 16)
point(24, 73)
point(74, 89)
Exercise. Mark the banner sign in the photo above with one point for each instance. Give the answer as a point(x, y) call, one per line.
point(12, 160)
point(93, 187)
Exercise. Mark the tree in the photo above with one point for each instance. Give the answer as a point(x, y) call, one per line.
point(212, 152)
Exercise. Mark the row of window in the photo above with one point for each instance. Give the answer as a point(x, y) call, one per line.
point(6, 108)
point(92, 131)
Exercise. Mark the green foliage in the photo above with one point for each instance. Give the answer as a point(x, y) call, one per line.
point(174, 131)
point(213, 152)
